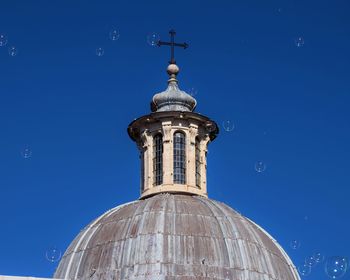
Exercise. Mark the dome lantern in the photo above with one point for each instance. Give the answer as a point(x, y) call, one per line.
point(173, 139)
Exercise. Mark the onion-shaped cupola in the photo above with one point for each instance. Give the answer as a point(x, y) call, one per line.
point(173, 99)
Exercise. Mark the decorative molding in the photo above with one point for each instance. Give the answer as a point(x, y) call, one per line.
point(166, 126)
point(146, 138)
point(193, 132)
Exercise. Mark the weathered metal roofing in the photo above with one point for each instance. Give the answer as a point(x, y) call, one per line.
point(173, 99)
point(178, 237)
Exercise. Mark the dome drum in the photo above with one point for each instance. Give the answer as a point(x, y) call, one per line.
point(164, 168)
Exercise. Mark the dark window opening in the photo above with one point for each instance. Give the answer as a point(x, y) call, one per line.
point(179, 158)
point(142, 157)
point(198, 164)
point(158, 159)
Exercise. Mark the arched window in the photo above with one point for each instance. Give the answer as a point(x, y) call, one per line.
point(158, 160)
point(198, 164)
point(179, 158)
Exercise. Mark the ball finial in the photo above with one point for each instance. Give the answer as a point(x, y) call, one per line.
point(172, 69)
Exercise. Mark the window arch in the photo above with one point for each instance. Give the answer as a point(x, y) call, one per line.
point(198, 163)
point(158, 159)
point(179, 158)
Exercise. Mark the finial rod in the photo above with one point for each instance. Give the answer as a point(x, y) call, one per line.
point(172, 45)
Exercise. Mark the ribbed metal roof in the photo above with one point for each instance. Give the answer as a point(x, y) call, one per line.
point(173, 99)
point(175, 237)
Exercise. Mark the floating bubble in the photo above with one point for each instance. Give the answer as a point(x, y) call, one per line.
point(318, 257)
point(295, 244)
point(228, 125)
point(260, 166)
point(336, 267)
point(13, 51)
point(192, 91)
point(3, 40)
point(114, 35)
point(299, 42)
point(152, 39)
point(310, 261)
point(304, 270)
point(53, 254)
point(26, 152)
point(100, 51)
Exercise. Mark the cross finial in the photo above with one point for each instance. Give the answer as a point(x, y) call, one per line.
point(172, 45)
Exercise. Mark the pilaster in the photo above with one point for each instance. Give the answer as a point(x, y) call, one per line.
point(203, 158)
point(167, 153)
point(147, 146)
point(191, 155)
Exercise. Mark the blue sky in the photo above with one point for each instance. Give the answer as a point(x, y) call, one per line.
point(71, 108)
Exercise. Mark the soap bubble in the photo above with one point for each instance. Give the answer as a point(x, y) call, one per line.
point(53, 254)
point(299, 42)
point(192, 91)
point(26, 152)
point(13, 51)
point(304, 270)
point(318, 257)
point(228, 125)
point(310, 261)
point(260, 166)
point(336, 267)
point(100, 51)
point(295, 244)
point(152, 39)
point(3, 40)
point(114, 34)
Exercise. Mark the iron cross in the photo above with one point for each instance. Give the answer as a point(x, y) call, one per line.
point(172, 44)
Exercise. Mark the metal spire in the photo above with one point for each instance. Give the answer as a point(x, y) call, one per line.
point(172, 45)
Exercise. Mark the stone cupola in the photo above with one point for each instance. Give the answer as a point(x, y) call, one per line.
point(173, 142)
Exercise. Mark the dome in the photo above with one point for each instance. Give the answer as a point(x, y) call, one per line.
point(173, 99)
point(174, 236)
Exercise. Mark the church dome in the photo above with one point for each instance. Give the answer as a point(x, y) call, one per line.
point(174, 236)
point(174, 232)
